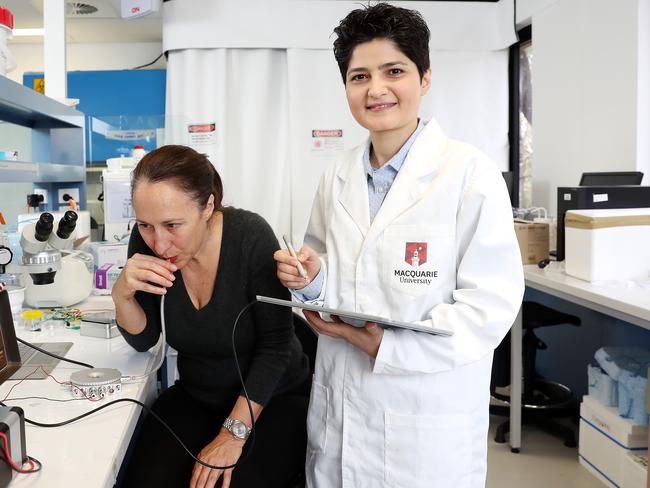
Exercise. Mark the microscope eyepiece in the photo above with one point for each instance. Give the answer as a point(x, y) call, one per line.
point(44, 227)
point(67, 224)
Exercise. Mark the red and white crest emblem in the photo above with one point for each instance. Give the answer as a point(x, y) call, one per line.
point(416, 253)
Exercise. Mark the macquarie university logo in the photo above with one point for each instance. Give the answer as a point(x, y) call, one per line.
point(416, 253)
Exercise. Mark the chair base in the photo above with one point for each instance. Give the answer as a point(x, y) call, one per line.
point(546, 424)
point(544, 395)
point(547, 400)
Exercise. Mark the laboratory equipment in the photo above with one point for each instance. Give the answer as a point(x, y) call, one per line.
point(59, 276)
point(594, 197)
point(608, 244)
point(119, 215)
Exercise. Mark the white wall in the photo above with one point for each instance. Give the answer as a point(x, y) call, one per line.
point(308, 24)
point(584, 92)
point(526, 9)
point(86, 57)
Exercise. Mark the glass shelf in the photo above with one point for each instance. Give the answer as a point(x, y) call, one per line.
point(113, 136)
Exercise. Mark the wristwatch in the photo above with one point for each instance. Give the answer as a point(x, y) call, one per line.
point(237, 428)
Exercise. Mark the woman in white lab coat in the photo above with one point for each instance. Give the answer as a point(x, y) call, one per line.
point(412, 226)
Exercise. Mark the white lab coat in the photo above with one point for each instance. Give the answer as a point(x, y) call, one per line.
point(417, 415)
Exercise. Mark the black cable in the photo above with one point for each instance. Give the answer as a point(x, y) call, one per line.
point(249, 447)
point(86, 365)
point(241, 378)
point(149, 64)
point(148, 410)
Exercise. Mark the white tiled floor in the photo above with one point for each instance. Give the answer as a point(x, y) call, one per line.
point(544, 462)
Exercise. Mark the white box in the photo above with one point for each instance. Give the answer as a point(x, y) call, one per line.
point(608, 244)
point(635, 470)
point(108, 253)
point(597, 474)
point(606, 439)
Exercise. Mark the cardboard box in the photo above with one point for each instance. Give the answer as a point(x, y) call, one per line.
point(106, 276)
point(533, 241)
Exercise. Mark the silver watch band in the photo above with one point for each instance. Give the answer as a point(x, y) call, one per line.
point(237, 428)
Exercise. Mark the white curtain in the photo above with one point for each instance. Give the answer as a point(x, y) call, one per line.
point(281, 115)
point(244, 93)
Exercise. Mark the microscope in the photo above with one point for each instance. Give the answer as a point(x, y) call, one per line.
point(60, 276)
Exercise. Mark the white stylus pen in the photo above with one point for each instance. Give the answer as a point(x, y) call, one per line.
point(301, 270)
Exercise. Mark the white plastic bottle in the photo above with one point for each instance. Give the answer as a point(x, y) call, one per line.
point(7, 61)
point(138, 153)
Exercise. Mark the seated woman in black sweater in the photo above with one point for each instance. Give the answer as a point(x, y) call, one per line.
point(209, 262)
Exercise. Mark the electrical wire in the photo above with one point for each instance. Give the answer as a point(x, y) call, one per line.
point(249, 446)
point(62, 400)
point(149, 64)
point(26, 377)
point(12, 464)
point(79, 363)
point(160, 356)
point(48, 375)
point(241, 378)
point(149, 412)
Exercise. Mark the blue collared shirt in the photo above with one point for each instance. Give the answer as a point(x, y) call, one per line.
point(380, 180)
point(379, 183)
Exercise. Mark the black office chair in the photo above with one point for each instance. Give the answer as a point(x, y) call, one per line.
point(542, 400)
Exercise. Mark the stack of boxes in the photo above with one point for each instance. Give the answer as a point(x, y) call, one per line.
point(614, 418)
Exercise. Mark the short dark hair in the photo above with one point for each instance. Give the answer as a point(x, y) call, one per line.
point(405, 28)
point(183, 166)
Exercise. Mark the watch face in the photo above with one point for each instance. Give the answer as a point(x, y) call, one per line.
point(239, 429)
point(5, 255)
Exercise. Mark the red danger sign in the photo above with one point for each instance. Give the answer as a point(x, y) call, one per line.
point(327, 133)
point(202, 128)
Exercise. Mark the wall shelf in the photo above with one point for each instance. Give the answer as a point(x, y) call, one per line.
point(24, 106)
point(21, 171)
point(58, 158)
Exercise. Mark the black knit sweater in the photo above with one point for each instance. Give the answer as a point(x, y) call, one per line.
point(269, 353)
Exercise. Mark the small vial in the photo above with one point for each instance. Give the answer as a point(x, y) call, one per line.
point(138, 153)
point(32, 320)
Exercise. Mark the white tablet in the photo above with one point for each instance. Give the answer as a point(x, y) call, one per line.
point(355, 318)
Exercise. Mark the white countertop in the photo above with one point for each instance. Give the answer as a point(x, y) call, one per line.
point(88, 452)
point(627, 300)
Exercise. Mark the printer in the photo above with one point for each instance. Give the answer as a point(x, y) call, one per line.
point(593, 197)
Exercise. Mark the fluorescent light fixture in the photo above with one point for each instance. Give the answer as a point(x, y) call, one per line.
point(28, 32)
